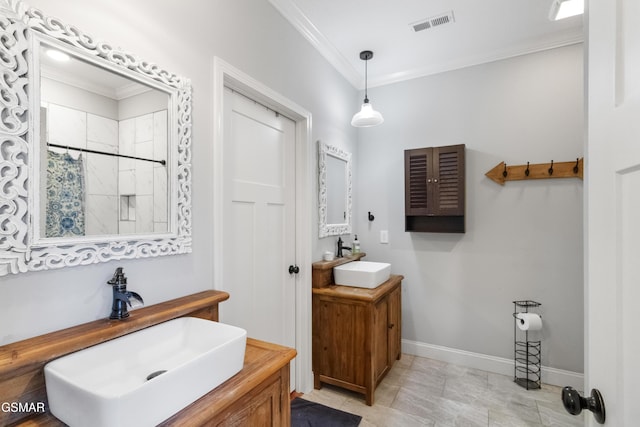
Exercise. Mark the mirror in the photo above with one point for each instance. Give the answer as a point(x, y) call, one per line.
point(103, 146)
point(334, 190)
point(95, 150)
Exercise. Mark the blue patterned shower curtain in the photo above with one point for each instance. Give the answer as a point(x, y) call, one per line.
point(65, 196)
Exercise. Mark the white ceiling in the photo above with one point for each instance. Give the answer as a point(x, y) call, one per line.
point(84, 75)
point(482, 31)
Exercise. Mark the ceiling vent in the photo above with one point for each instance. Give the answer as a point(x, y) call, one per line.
point(434, 21)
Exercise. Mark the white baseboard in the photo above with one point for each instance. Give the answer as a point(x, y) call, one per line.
point(498, 365)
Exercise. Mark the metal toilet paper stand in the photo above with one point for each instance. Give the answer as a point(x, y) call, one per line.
point(526, 353)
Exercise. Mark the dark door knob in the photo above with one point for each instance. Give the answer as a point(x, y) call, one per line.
point(294, 269)
point(574, 403)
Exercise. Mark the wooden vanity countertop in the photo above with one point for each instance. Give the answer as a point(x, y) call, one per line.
point(362, 294)
point(261, 360)
point(328, 265)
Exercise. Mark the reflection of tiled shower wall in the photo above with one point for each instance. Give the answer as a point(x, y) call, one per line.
point(144, 182)
point(74, 128)
point(143, 185)
point(160, 172)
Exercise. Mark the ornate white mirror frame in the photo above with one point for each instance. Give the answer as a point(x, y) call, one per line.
point(325, 229)
point(22, 28)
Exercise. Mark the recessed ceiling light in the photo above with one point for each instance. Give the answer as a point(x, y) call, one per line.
point(561, 9)
point(57, 55)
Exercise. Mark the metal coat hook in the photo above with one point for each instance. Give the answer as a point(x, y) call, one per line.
point(371, 217)
point(575, 168)
point(504, 173)
point(551, 168)
point(526, 172)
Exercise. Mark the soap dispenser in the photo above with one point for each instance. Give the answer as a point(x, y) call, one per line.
point(355, 246)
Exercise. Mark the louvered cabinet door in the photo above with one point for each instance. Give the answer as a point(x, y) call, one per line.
point(448, 180)
point(417, 170)
point(434, 189)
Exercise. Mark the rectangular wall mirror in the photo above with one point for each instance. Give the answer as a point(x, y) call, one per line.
point(334, 190)
point(95, 150)
point(103, 145)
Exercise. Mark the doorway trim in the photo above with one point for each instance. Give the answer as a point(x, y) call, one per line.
point(225, 74)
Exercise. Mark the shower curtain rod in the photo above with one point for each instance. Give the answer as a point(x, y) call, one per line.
point(87, 150)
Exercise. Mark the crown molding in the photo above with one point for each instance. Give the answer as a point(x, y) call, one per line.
point(69, 79)
point(300, 22)
point(292, 13)
point(131, 89)
point(485, 58)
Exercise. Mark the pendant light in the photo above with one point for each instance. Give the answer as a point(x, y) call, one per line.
point(367, 116)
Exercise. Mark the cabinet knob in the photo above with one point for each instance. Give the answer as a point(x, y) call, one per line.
point(429, 180)
point(435, 179)
point(391, 325)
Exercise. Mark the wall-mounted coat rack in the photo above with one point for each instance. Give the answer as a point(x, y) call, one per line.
point(502, 172)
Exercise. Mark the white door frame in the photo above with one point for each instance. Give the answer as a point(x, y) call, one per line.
point(225, 74)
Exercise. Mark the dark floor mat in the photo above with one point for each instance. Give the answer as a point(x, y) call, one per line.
point(311, 414)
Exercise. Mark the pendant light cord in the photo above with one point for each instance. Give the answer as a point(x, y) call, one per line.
point(366, 98)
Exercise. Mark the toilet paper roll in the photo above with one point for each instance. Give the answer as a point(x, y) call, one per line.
point(529, 321)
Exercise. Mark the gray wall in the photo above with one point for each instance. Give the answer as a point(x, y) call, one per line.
point(183, 37)
point(523, 240)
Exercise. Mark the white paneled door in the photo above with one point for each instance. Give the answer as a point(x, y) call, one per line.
point(612, 257)
point(259, 221)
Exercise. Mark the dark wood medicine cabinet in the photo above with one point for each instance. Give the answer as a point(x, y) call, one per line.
point(434, 181)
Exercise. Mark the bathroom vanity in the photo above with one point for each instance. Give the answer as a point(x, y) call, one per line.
point(257, 395)
point(356, 331)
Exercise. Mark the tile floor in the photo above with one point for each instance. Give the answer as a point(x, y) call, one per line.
point(426, 392)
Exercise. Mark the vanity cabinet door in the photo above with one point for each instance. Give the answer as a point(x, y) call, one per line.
point(267, 405)
point(340, 350)
point(394, 326)
point(387, 333)
point(381, 339)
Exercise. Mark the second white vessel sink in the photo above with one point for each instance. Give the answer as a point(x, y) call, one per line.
point(362, 274)
point(143, 378)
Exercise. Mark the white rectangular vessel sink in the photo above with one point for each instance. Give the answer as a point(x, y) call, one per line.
point(143, 378)
point(362, 274)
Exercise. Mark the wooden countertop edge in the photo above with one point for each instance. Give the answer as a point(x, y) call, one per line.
point(361, 294)
point(328, 265)
point(24, 355)
point(273, 358)
point(45, 420)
